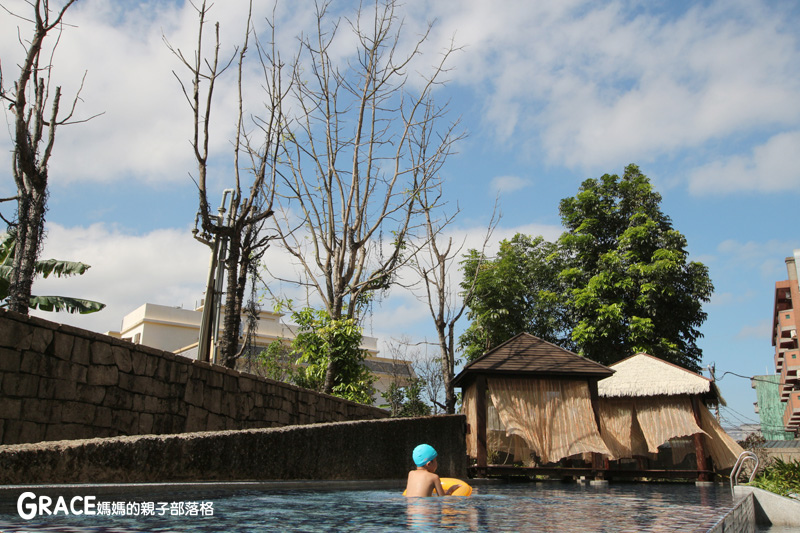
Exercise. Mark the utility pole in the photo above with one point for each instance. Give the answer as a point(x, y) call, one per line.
point(209, 322)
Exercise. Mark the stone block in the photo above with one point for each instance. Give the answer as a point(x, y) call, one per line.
point(138, 362)
point(214, 379)
point(122, 357)
point(145, 424)
point(117, 399)
point(230, 384)
point(208, 400)
point(15, 334)
point(102, 374)
point(163, 369)
point(194, 393)
point(102, 417)
point(196, 419)
point(11, 430)
point(81, 351)
point(36, 410)
point(126, 422)
point(216, 422)
point(31, 362)
point(154, 405)
point(102, 354)
point(62, 345)
point(128, 382)
point(77, 413)
point(139, 401)
point(32, 432)
point(90, 394)
point(78, 373)
point(20, 385)
point(9, 360)
point(47, 388)
point(151, 365)
point(42, 339)
point(10, 408)
point(246, 384)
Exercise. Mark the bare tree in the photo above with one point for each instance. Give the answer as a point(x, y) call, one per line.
point(354, 173)
point(434, 264)
point(236, 234)
point(36, 118)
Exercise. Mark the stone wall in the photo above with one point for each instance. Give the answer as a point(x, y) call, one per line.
point(361, 450)
point(60, 382)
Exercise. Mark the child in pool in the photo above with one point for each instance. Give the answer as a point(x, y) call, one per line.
point(423, 481)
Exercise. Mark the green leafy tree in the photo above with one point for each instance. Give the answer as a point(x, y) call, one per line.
point(276, 361)
point(629, 285)
point(406, 400)
point(617, 282)
point(43, 268)
point(517, 291)
point(318, 339)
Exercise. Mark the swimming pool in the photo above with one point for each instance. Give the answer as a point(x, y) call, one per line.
point(544, 506)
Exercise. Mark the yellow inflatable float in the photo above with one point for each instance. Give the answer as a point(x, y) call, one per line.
point(447, 482)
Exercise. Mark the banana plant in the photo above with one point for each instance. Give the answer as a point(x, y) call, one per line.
point(44, 268)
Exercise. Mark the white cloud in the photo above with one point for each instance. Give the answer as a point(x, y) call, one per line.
point(603, 83)
point(771, 167)
point(165, 267)
point(508, 184)
point(760, 331)
point(767, 258)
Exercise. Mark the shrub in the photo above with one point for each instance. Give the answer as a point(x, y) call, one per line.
point(780, 477)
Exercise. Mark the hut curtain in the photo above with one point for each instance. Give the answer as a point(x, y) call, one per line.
point(665, 417)
point(723, 449)
point(619, 428)
point(554, 417)
point(638, 426)
point(468, 408)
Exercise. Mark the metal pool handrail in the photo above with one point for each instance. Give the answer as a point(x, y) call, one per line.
point(737, 468)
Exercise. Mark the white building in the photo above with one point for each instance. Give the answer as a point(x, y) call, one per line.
point(176, 330)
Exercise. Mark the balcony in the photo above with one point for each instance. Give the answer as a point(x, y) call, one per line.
point(780, 357)
point(791, 417)
point(790, 379)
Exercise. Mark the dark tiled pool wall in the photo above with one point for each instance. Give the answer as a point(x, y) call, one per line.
point(60, 382)
point(359, 450)
point(740, 519)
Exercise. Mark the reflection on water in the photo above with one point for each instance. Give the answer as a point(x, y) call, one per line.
point(503, 507)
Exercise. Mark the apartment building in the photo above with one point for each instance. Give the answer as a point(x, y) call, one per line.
point(785, 322)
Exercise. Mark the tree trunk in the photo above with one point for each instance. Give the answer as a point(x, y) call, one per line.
point(29, 237)
point(229, 343)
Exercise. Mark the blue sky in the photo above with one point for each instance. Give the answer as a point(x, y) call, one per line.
point(703, 96)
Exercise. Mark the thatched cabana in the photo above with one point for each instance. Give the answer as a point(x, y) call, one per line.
point(649, 402)
point(541, 396)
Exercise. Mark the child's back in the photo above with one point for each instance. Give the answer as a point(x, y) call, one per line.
point(422, 483)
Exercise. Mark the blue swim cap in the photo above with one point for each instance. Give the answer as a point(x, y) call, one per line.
point(424, 454)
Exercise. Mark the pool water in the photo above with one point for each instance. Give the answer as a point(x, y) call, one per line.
point(545, 506)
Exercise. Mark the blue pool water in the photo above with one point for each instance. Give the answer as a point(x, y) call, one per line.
point(547, 506)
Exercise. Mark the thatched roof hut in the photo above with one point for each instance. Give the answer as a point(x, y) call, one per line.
point(645, 375)
point(537, 393)
point(649, 402)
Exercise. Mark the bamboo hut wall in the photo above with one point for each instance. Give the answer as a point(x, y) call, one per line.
point(554, 417)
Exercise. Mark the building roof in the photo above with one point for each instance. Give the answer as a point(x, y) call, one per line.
point(645, 375)
point(525, 355)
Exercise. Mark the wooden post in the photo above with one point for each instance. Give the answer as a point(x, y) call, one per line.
point(480, 416)
point(699, 449)
point(599, 463)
